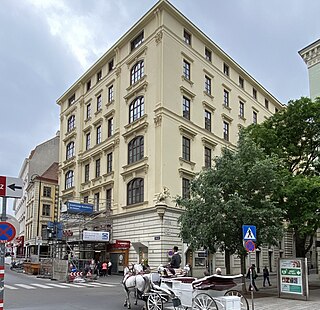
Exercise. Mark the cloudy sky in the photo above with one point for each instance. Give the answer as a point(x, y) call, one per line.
point(47, 44)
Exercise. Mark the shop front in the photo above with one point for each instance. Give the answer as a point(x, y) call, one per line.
point(119, 255)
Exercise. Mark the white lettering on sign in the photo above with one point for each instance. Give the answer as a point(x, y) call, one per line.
point(1, 186)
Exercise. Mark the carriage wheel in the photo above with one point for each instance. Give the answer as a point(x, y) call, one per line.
point(154, 302)
point(204, 301)
point(243, 301)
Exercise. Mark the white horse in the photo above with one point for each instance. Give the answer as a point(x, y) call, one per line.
point(136, 281)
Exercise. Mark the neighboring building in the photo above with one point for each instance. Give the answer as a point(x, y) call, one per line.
point(142, 122)
point(311, 56)
point(35, 166)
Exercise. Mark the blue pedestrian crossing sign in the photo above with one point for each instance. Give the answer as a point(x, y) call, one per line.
point(249, 232)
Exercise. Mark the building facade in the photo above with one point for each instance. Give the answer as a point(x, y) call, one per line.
point(149, 115)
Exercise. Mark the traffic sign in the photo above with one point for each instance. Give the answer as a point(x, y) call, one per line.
point(7, 232)
point(10, 187)
point(250, 246)
point(249, 232)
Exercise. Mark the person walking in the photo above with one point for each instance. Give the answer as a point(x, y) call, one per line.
point(266, 276)
point(104, 269)
point(109, 268)
point(175, 259)
point(252, 271)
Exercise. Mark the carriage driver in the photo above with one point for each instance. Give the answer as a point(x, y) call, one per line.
point(175, 259)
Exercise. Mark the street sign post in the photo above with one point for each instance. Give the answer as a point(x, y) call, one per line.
point(10, 187)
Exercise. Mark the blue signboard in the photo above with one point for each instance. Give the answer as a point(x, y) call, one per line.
point(249, 232)
point(77, 207)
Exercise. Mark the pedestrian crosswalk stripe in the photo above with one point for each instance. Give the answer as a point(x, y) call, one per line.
point(40, 285)
point(87, 284)
point(107, 285)
point(28, 287)
point(10, 287)
point(57, 285)
point(72, 285)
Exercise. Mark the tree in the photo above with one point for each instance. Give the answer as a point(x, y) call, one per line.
point(238, 190)
point(294, 136)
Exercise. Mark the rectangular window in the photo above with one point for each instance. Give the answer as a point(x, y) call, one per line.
point(46, 210)
point(86, 199)
point(137, 41)
point(186, 69)
point(99, 135)
point(187, 37)
point(99, 103)
point(88, 111)
point(266, 103)
point(88, 85)
point(226, 131)
point(96, 201)
point(207, 85)
point(186, 108)
point(88, 141)
point(276, 110)
point(98, 167)
point(207, 120)
point(110, 65)
point(72, 100)
point(254, 117)
point(185, 188)
point(109, 163)
point(207, 157)
point(186, 148)
point(254, 93)
point(225, 98)
point(241, 82)
point(241, 109)
point(110, 127)
point(109, 197)
point(208, 54)
point(226, 69)
point(110, 94)
point(99, 76)
point(86, 172)
point(46, 191)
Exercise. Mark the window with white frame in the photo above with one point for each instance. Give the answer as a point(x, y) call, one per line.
point(137, 72)
point(70, 150)
point(69, 179)
point(71, 123)
point(136, 109)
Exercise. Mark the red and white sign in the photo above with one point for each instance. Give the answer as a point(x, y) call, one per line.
point(122, 244)
point(10, 187)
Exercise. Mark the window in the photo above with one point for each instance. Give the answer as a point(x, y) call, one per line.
point(185, 188)
point(226, 69)
point(88, 85)
point(109, 163)
point(109, 197)
point(71, 123)
point(208, 54)
point(99, 103)
point(276, 110)
point(186, 108)
point(266, 103)
point(187, 37)
point(70, 150)
point(136, 149)
point(136, 109)
point(98, 167)
point(254, 93)
point(207, 157)
point(137, 72)
point(186, 148)
point(88, 141)
point(226, 131)
point(225, 98)
point(241, 82)
point(96, 201)
point(72, 100)
point(137, 41)
point(86, 199)
point(186, 70)
point(110, 65)
point(88, 111)
point(207, 120)
point(99, 76)
point(46, 191)
point(110, 127)
point(99, 139)
point(110, 94)
point(135, 191)
point(207, 85)
point(254, 117)
point(241, 109)
point(86, 172)
point(69, 179)
point(46, 210)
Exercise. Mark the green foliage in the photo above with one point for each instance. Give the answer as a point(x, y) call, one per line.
point(237, 191)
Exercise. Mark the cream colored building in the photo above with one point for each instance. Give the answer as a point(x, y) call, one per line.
point(150, 114)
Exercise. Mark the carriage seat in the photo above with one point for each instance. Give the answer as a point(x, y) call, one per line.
point(214, 282)
point(184, 279)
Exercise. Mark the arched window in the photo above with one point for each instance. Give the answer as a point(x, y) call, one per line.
point(70, 150)
point(135, 149)
point(135, 191)
point(71, 123)
point(137, 72)
point(69, 179)
point(136, 109)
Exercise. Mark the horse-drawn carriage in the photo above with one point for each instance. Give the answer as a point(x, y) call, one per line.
point(215, 292)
